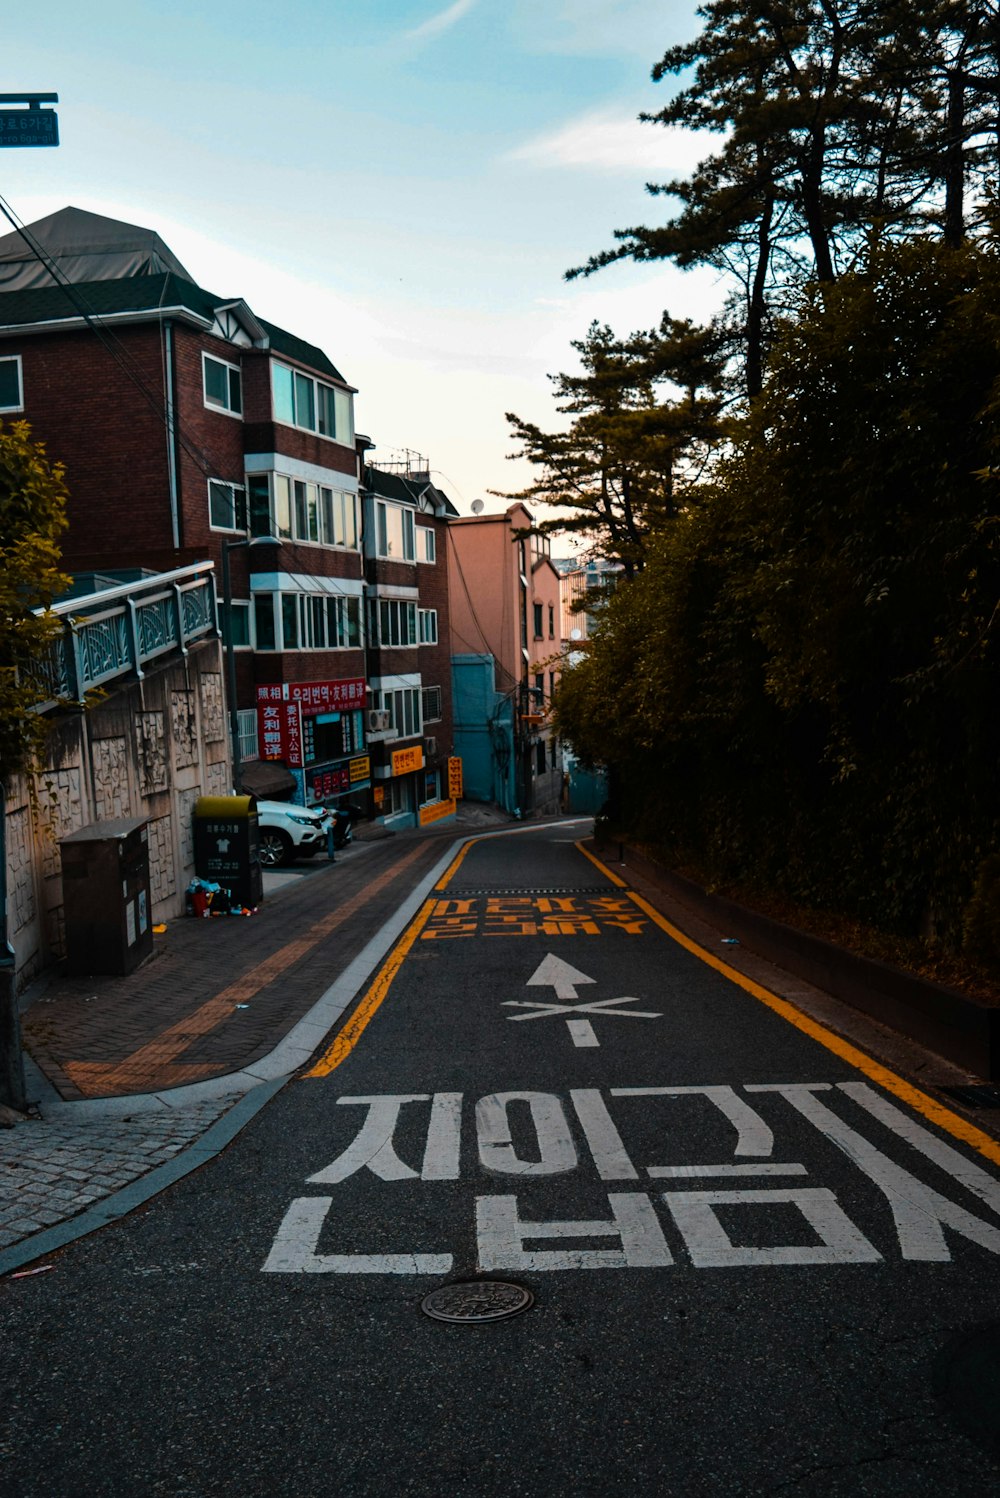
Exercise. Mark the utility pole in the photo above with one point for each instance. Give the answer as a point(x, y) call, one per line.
point(24, 124)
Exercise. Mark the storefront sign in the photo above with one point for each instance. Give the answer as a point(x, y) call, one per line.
point(436, 811)
point(317, 697)
point(326, 783)
point(360, 769)
point(279, 731)
point(405, 761)
point(455, 779)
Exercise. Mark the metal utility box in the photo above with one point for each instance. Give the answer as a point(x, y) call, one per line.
point(106, 899)
point(226, 846)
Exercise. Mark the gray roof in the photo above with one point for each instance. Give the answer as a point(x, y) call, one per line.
point(86, 247)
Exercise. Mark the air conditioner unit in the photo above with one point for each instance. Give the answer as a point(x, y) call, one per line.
point(430, 747)
point(378, 720)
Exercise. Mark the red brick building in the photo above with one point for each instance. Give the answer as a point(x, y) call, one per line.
point(190, 428)
point(409, 641)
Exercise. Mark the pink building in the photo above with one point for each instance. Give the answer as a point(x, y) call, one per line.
point(505, 603)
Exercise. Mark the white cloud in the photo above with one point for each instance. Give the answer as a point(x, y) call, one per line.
point(603, 140)
point(442, 21)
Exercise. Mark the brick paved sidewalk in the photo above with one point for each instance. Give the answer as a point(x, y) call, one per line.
point(217, 994)
point(107, 1054)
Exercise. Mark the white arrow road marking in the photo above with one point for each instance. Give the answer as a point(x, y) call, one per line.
point(552, 972)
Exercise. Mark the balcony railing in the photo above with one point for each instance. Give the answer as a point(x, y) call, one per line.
point(119, 630)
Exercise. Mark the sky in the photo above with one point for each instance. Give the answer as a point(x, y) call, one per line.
point(402, 182)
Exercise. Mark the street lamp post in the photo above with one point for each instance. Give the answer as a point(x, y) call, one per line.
point(228, 644)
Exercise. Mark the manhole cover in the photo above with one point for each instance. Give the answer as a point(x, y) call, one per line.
point(476, 1300)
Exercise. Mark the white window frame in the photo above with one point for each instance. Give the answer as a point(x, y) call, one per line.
point(324, 396)
point(15, 359)
point(227, 409)
point(407, 525)
point(404, 707)
point(236, 528)
point(394, 623)
point(426, 544)
point(336, 512)
point(427, 626)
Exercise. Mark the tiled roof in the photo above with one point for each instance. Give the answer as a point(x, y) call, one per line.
point(138, 294)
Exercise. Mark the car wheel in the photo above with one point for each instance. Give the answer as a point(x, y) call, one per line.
point(275, 848)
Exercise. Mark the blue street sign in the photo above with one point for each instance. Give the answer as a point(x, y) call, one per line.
point(29, 127)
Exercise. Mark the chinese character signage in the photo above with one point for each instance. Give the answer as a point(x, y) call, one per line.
point(405, 761)
point(455, 779)
point(279, 730)
point(315, 697)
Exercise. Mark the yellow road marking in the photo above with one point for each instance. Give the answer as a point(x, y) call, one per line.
point(349, 1036)
point(156, 1061)
point(958, 1127)
point(446, 877)
point(621, 883)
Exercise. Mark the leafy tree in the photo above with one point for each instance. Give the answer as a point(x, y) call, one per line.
point(32, 516)
point(620, 467)
point(837, 121)
point(815, 642)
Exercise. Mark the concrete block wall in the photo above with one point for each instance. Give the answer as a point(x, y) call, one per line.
point(149, 749)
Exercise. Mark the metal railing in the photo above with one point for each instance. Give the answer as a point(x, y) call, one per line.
point(119, 630)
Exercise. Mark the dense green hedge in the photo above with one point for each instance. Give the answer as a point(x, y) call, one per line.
point(802, 688)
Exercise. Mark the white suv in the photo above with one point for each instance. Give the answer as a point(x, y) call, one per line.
point(288, 831)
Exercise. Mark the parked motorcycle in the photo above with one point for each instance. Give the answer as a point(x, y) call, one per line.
point(343, 818)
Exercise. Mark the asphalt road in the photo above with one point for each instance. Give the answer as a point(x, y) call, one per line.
point(755, 1271)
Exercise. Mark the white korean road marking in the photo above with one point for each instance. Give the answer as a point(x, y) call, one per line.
point(920, 1214)
point(501, 1233)
point(543, 1144)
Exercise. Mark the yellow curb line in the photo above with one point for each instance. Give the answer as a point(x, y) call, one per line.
point(958, 1127)
point(349, 1036)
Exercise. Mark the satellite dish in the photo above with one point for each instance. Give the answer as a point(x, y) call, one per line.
point(478, 507)
point(576, 634)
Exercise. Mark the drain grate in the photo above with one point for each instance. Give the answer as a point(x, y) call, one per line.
point(975, 1096)
point(476, 1300)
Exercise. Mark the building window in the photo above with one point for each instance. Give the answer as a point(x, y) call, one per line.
point(227, 506)
point(309, 621)
point(403, 706)
point(300, 401)
point(537, 610)
point(393, 622)
point(540, 757)
point(223, 385)
point(263, 613)
point(426, 544)
point(395, 532)
point(427, 626)
point(432, 787)
point(11, 392)
point(552, 621)
point(240, 623)
point(430, 698)
point(303, 511)
point(552, 685)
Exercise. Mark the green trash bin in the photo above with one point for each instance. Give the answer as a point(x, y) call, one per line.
point(226, 846)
